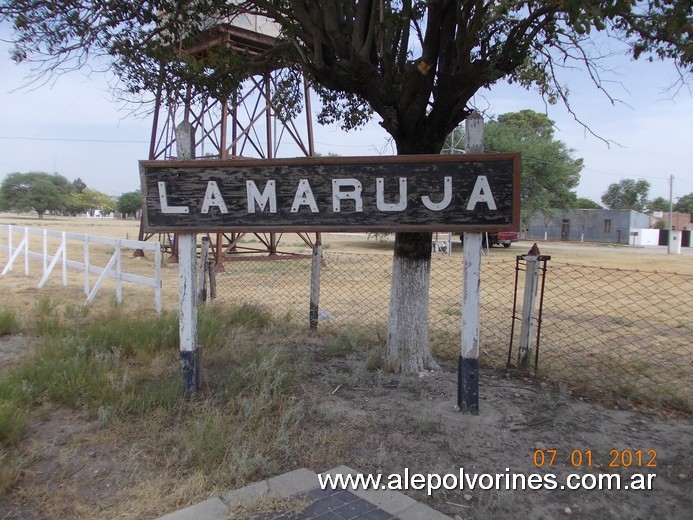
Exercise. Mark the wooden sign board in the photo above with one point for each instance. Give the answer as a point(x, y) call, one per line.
point(384, 194)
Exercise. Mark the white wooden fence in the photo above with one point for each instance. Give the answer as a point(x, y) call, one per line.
point(16, 241)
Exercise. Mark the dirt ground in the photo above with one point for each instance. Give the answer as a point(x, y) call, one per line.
point(380, 423)
point(74, 467)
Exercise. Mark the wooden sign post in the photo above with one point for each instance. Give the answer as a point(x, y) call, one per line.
point(185, 249)
point(468, 365)
point(470, 193)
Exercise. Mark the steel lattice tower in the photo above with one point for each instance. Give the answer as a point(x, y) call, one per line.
point(248, 125)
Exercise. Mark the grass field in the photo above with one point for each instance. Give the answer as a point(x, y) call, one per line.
point(92, 424)
point(615, 322)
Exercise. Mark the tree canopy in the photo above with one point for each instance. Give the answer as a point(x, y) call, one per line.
point(416, 63)
point(36, 191)
point(685, 204)
point(583, 203)
point(89, 199)
point(658, 204)
point(627, 194)
point(129, 203)
point(549, 172)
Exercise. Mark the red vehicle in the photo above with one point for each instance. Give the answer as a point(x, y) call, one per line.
point(503, 238)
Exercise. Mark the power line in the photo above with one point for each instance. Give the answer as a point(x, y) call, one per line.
point(72, 140)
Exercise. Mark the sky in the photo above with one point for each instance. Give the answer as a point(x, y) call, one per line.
point(74, 127)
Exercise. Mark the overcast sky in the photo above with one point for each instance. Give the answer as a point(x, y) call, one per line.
point(73, 127)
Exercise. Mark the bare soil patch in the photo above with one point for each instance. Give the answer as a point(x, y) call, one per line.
point(12, 348)
point(76, 468)
point(73, 464)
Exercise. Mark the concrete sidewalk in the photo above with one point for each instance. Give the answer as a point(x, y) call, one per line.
point(303, 488)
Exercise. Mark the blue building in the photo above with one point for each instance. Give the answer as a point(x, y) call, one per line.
point(589, 225)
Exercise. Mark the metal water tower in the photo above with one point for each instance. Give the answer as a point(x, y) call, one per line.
point(248, 125)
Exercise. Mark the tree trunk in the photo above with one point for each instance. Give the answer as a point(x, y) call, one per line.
point(407, 336)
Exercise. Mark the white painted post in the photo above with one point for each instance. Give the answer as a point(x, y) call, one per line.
point(10, 251)
point(185, 141)
point(157, 278)
point(119, 272)
point(468, 367)
point(26, 251)
point(13, 257)
point(187, 281)
point(54, 260)
point(528, 307)
point(45, 251)
point(468, 391)
point(85, 254)
point(315, 268)
point(64, 257)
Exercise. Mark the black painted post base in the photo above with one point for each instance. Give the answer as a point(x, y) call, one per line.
point(190, 370)
point(313, 319)
point(468, 385)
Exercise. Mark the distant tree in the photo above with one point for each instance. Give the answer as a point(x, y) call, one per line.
point(79, 185)
point(549, 172)
point(685, 204)
point(129, 203)
point(627, 194)
point(658, 204)
point(34, 190)
point(88, 200)
point(583, 203)
point(417, 63)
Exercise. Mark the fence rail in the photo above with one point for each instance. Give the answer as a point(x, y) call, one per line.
point(606, 332)
point(55, 246)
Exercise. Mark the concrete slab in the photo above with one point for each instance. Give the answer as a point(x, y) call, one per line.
point(292, 483)
point(359, 504)
point(212, 509)
point(236, 497)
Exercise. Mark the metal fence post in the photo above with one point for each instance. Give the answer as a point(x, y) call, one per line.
point(212, 273)
point(204, 270)
point(528, 307)
point(315, 269)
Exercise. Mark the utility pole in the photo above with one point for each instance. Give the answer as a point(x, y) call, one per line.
point(671, 211)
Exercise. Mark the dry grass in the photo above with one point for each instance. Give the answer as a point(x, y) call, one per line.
point(111, 371)
point(114, 377)
point(598, 333)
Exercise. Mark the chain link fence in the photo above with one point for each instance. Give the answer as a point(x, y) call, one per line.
point(608, 333)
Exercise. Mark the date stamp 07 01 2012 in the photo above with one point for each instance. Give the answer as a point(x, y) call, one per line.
point(625, 458)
